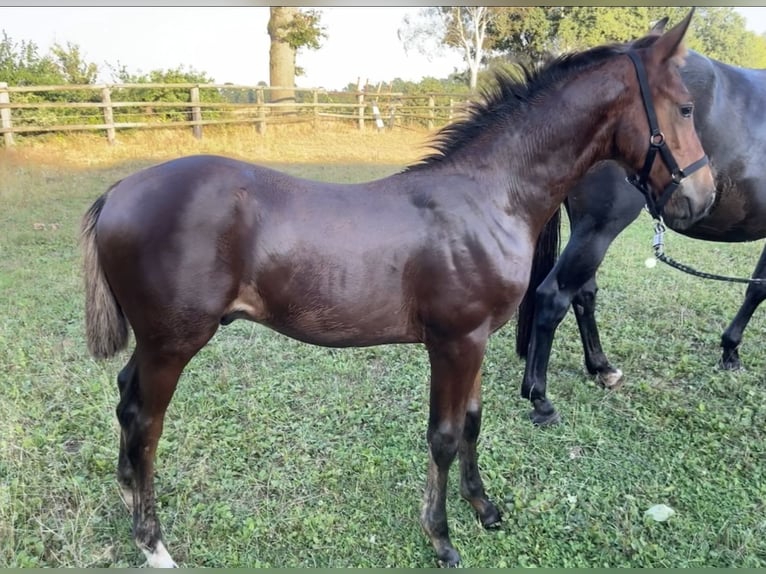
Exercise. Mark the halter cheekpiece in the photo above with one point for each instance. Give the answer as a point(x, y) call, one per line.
point(640, 180)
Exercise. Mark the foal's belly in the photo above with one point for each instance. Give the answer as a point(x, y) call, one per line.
point(324, 319)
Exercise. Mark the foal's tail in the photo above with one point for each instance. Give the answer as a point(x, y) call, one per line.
point(546, 253)
point(105, 324)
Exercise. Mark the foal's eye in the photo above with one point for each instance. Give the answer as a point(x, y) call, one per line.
point(686, 110)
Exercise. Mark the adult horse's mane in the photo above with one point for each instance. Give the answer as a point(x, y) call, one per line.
point(508, 93)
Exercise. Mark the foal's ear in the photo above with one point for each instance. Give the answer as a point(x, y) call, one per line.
point(670, 45)
point(659, 27)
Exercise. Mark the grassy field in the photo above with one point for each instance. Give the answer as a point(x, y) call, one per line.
point(276, 453)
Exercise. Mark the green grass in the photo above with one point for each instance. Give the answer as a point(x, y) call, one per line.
point(276, 453)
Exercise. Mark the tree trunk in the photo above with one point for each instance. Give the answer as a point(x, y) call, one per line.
point(281, 55)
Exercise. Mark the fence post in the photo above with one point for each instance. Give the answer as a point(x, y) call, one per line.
point(196, 113)
point(391, 113)
point(360, 103)
point(5, 115)
point(316, 110)
point(106, 99)
point(376, 114)
point(451, 109)
point(260, 124)
point(431, 104)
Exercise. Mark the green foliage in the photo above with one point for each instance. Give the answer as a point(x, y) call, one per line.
point(720, 33)
point(22, 65)
point(716, 32)
point(179, 75)
point(429, 84)
point(585, 26)
point(305, 30)
point(72, 66)
point(525, 33)
point(532, 33)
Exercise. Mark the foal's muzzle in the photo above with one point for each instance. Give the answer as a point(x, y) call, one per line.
point(640, 180)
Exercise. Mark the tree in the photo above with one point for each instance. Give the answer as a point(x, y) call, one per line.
point(22, 65)
point(459, 28)
point(585, 26)
point(717, 32)
point(73, 68)
point(290, 30)
point(526, 33)
point(530, 34)
point(720, 33)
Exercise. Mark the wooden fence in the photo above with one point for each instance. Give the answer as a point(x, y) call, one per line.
point(109, 108)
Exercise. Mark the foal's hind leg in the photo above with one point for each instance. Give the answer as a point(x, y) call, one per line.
point(126, 411)
point(454, 367)
point(471, 485)
point(153, 376)
point(732, 336)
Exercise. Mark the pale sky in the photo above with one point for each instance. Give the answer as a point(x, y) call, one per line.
point(230, 43)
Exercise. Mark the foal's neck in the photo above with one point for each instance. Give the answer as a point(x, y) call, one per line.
point(561, 136)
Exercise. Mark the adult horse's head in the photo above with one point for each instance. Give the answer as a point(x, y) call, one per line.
point(656, 133)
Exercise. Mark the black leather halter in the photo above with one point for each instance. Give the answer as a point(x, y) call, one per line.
point(657, 143)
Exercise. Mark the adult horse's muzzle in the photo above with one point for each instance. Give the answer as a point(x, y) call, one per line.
point(640, 180)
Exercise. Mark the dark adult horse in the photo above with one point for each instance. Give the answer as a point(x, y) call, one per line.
point(732, 128)
point(438, 254)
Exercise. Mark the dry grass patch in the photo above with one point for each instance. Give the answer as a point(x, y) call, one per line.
point(284, 144)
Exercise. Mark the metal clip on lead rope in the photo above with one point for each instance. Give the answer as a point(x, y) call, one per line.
point(659, 245)
point(659, 237)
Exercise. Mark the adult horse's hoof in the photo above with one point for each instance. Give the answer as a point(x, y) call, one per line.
point(543, 414)
point(611, 379)
point(730, 361)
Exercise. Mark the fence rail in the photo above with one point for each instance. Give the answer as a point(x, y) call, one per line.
point(113, 107)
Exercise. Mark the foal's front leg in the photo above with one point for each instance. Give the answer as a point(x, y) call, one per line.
point(454, 368)
point(471, 485)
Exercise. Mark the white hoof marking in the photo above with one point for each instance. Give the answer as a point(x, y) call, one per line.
point(160, 558)
point(611, 380)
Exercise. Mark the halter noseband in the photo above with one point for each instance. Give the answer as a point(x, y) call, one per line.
point(657, 143)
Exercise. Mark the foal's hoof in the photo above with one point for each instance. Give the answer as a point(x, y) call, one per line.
point(448, 558)
point(159, 557)
point(543, 414)
point(491, 519)
point(611, 379)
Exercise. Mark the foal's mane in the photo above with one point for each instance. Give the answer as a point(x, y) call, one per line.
point(507, 94)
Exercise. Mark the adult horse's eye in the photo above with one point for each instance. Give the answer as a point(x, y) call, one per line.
point(686, 110)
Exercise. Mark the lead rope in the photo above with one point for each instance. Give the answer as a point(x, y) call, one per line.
point(659, 244)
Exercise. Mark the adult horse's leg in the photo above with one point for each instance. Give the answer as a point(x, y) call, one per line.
point(593, 228)
point(732, 336)
point(455, 365)
point(584, 306)
point(471, 485)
